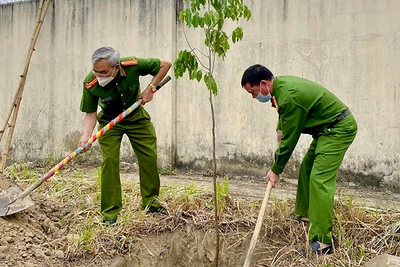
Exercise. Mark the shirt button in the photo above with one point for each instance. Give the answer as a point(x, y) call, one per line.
point(116, 83)
point(122, 94)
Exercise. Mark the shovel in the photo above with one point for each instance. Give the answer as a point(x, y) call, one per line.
point(14, 199)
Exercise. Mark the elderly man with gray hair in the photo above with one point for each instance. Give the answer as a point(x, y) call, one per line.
point(113, 84)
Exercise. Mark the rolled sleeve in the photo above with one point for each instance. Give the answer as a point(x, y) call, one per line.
point(89, 101)
point(148, 66)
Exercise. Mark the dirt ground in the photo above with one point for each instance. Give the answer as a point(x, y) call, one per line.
point(35, 237)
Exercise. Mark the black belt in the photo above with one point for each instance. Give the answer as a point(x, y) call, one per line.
point(342, 115)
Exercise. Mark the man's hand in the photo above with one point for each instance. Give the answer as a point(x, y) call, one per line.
point(278, 136)
point(82, 142)
point(146, 96)
point(273, 178)
point(89, 122)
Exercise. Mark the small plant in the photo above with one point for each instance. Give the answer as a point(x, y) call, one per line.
point(358, 232)
point(97, 172)
point(169, 170)
point(49, 160)
point(22, 173)
point(210, 17)
point(223, 195)
point(79, 174)
point(87, 234)
point(362, 251)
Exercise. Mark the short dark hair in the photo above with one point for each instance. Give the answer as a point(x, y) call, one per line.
point(255, 74)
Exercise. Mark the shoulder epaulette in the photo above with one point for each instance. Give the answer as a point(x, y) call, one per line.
point(129, 62)
point(90, 84)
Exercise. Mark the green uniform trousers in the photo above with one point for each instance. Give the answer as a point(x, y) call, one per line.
point(317, 179)
point(141, 134)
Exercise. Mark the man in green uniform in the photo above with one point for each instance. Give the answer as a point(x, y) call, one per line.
point(113, 84)
point(306, 107)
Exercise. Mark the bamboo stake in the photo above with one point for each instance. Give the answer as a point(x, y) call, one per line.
point(2, 131)
point(6, 123)
point(18, 96)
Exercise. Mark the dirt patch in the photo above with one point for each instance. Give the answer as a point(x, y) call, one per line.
point(44, 235)
point(38, 237)
point(31, 237)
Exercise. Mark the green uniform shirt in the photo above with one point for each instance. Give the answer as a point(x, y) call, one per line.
point(121, 92)
point(303, 107)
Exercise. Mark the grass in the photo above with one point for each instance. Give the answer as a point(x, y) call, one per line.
point(360, 232)
point(167, 170)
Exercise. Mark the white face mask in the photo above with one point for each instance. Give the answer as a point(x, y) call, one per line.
point(103, 81)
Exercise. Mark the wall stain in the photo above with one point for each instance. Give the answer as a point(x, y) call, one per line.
point(285, 9)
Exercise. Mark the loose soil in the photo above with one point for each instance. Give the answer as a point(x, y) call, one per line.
point(37, 237)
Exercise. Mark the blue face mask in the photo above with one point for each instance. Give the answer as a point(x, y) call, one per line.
point(263, 98)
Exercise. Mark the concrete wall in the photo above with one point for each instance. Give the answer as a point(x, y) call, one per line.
point(351, 47)
point(50, 122)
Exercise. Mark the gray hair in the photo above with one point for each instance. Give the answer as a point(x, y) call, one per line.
point(108, 53)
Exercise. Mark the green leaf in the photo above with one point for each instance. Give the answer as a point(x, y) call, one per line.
point(210, 83)
point(211, 22)
point(237, 34)
point(195, 21)
point(209, 38)
point(214, 19)
point(199, 75)
point(182, 15)
point(207, 19)
point(217, 4)
point(201, 22)
point(228, 13)
point(188, 17)
point(247, 13)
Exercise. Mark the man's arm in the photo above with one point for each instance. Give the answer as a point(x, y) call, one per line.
point(147, 94)
point(279, 131)
point(278, 136)
point(292, 120)
point(89, 122)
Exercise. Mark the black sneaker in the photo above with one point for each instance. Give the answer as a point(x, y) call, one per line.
point(299, 219)
point(109, 222)
point(159, 210)
point(316, 249)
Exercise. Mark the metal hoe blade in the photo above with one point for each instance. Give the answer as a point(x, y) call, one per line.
point(7, 204)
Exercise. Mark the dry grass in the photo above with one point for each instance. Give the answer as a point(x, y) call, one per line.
point(360, 233)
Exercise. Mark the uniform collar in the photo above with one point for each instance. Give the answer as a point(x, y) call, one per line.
point(275, 85)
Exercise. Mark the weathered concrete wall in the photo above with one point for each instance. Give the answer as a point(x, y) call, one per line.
point(351, 47)
point(50, 122)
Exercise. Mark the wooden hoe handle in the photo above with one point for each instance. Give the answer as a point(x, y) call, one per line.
point(258, 226)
